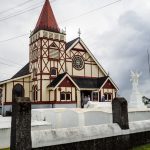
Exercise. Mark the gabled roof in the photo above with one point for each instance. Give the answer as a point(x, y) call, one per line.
point(69, 44)
point(90, 83)
point(74, 42)
point(56, 82)
point(22, 72)
point(47, 19)
point(109, 79)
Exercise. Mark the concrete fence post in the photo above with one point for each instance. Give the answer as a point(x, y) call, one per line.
point(21, 124)
point(120, 112)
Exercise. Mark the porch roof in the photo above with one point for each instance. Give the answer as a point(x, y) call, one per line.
point(81, 82)
point(57, 80)
point(92, 83)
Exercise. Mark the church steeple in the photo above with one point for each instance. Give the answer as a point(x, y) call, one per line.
point(47, 19)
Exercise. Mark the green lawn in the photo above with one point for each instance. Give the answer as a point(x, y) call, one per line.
point(143, 147)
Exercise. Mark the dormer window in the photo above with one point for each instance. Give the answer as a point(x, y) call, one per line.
point(53, 71)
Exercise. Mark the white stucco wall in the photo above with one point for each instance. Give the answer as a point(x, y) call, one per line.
point(70, 117)
point(65, 117)
point(5, 130)
point(59, 126)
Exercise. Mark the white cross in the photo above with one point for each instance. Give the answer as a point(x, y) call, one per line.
point(79, 32)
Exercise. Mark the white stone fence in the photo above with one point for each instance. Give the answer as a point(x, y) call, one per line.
point(49, 137)
point(52, 137)
point(65, 117)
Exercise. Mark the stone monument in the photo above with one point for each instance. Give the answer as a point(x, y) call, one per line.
point(21, 124)
point(136, 96)
point(120, 112)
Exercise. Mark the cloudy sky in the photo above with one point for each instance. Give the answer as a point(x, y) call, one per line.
point(116, 32)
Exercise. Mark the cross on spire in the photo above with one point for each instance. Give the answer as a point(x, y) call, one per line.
point(79, 32)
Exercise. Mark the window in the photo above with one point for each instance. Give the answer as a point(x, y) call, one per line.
point(62, 96)
point(78, 62)
point(54, 53)
point(65, 96)
point(68, 96)
point(34, 55)
point(0, 95)
point(34, 92)
point(53, 71)
point(34, 73)
point(108, 96)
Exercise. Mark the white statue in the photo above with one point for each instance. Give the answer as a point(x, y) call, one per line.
point(136, 97)
point(135, 79)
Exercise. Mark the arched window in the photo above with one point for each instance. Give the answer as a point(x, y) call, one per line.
point(34, 92)
point(34, 73)
point(1, 94)
point(18, 91)
point(53, 71)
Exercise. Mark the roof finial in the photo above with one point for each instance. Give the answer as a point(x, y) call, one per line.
point(108, 73)
point(79, 32)
point(65, 29)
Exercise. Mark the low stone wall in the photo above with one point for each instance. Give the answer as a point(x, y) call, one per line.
point(5, 129)
point(66, 118)
point(137, 115)
point(7, 109)
point(103, 137)
point(110, 143)
point(124, 142)
point(118, 135)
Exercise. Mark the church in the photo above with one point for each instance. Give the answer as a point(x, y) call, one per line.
point(59, 73)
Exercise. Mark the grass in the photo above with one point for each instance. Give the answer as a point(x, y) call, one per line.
point(143, 147)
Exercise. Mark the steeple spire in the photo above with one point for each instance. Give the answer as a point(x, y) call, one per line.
point(47, 19)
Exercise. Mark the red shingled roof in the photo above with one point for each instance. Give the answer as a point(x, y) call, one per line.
point(47, 19)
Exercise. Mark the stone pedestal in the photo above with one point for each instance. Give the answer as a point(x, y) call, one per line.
point(21, 124)
point(136, 100)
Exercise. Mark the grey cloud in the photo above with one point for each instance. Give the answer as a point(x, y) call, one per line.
point(125, 49)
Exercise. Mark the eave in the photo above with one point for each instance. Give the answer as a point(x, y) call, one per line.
point(10, 80)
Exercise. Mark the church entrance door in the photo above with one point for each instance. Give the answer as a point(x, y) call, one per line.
point(85, 97)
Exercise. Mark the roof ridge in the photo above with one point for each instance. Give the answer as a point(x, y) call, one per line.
point(68, 44)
